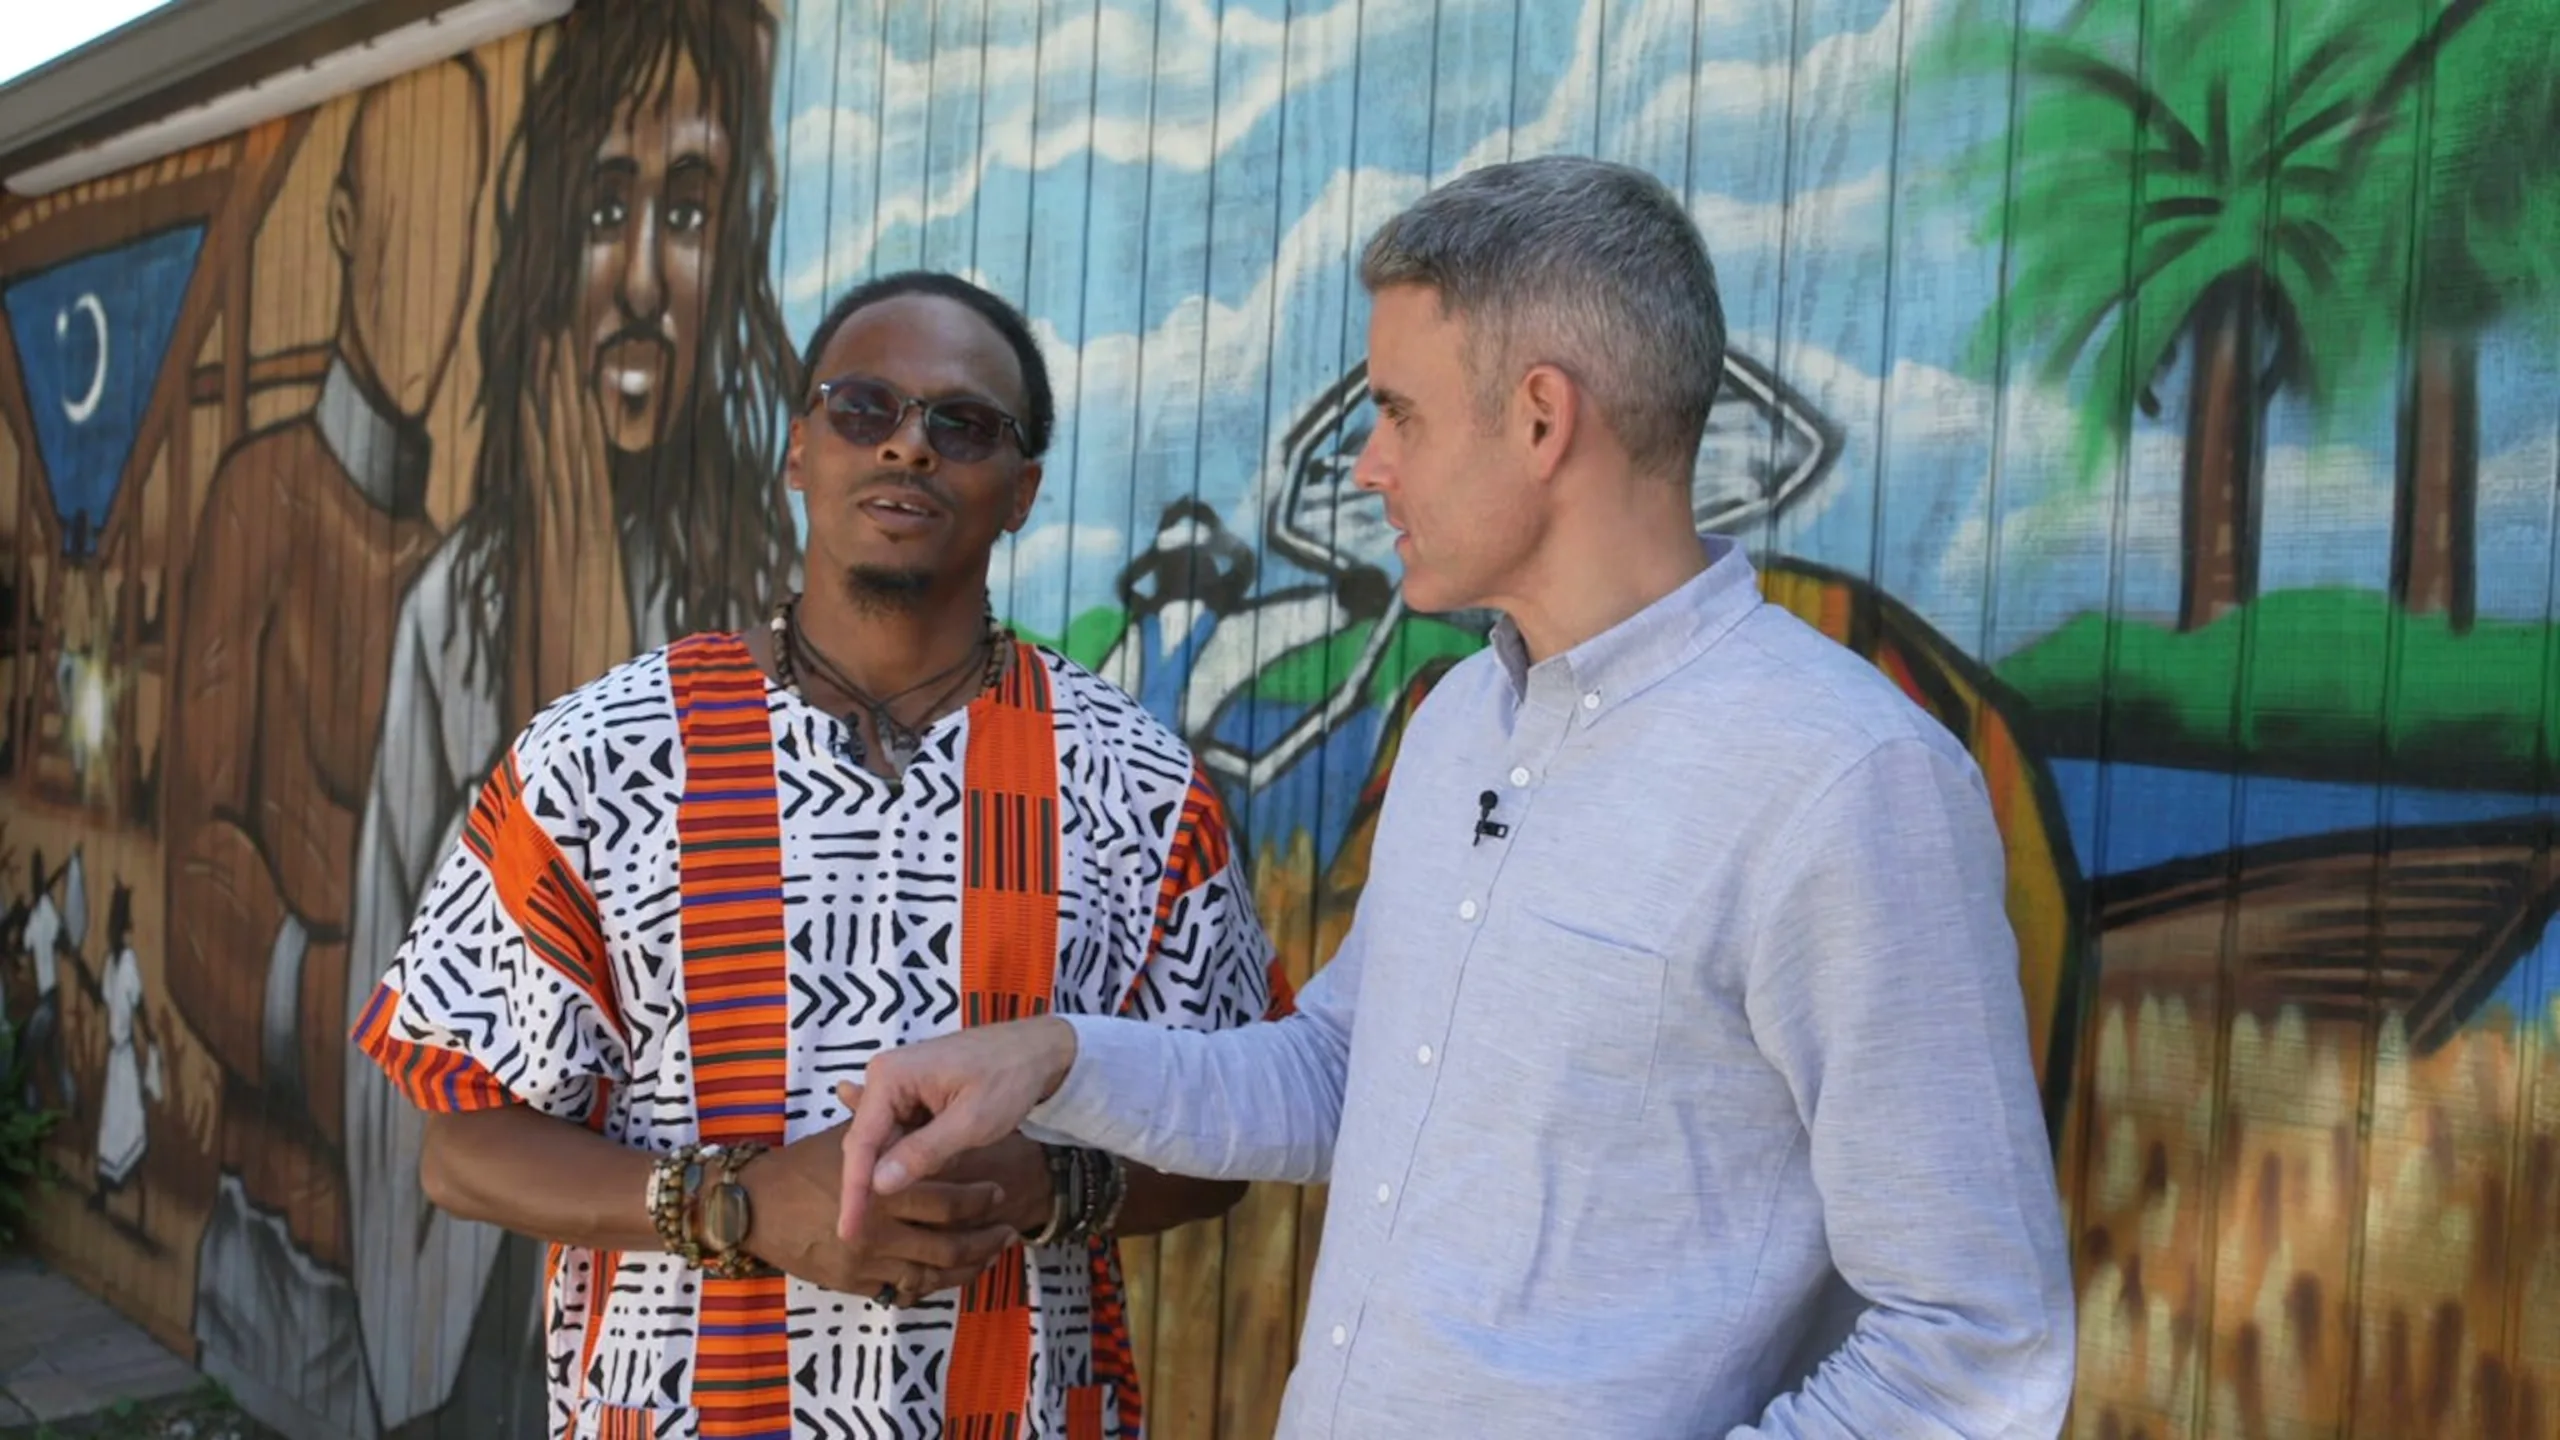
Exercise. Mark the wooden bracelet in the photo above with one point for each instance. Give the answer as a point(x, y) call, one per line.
point(670, 1182)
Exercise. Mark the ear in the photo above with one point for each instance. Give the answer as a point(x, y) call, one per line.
point(791, 453)
point(1025, 490)
point(342, 221)
point(1550, 411)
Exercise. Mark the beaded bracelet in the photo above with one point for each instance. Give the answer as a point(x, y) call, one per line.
point(672, 1179)
point(1064, 1164)
point(1119, 1194)
point(1086, 1191)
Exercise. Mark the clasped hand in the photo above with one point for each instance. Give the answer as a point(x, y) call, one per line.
point(926, 1239)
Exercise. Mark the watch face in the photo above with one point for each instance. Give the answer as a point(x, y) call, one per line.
point(724, 1214)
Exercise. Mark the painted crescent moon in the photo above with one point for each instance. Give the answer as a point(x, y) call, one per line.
point(87, 405)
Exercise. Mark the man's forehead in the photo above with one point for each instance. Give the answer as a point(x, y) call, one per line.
point(928, 343)
point(1410, 343)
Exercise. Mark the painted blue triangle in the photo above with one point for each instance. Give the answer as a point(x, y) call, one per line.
point(91, 333)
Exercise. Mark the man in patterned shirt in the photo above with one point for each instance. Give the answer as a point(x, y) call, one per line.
point(699, 893)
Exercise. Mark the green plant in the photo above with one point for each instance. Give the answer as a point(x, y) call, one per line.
point(23, 1131)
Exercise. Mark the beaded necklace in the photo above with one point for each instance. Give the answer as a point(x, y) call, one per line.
point(793, 650)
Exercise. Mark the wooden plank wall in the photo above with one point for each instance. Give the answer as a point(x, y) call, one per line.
point(2165, 392)
point(2253, 846)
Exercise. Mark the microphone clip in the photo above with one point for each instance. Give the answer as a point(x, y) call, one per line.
point(1486, 825)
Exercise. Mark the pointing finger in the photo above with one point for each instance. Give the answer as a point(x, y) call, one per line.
point(874, 1124)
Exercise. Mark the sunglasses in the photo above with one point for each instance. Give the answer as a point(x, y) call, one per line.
point(866, 412)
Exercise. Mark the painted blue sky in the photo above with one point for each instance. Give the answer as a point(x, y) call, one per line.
point(1176, 192)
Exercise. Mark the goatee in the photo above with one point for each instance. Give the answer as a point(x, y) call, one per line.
point(881, 590)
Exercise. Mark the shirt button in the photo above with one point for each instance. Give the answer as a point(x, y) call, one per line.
point(1520, 775)
point(1340, 1335)
point(1422, 1056)
point(1591, 701)
point(1384, 1192)
point(1466, 909)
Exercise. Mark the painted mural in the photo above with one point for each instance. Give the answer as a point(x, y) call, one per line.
point(2165, 393)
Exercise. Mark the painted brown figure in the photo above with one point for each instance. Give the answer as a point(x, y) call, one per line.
point(633, 357)
point(634, 371)
point(310, 531)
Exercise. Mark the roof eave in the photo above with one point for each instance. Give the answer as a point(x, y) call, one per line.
point(180, 55)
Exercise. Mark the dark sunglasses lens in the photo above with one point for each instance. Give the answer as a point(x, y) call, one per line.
point(965, 430)
point(862, 412)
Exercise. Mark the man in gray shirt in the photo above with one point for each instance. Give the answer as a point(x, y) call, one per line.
point(1681, 992)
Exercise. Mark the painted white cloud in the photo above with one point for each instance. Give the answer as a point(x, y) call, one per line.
point(1849, 212)
point(1205, 344)
point(1180, 89)
point(1138, 64)
point(1045, 564)
point(2519, 489)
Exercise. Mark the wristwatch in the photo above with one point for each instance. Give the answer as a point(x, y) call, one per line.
point(722, 1217)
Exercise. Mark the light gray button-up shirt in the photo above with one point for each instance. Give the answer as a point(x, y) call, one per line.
point(1611, 1104)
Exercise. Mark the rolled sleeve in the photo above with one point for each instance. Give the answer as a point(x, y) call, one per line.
point(501, 992)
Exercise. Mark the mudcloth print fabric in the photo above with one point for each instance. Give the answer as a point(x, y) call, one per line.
point(679, 912)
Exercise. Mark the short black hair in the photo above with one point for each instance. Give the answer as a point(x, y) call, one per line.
point(1007, 320)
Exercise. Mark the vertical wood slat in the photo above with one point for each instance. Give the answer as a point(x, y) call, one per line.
point(25, 533)
point(439, 180)
point(237, 268)
point(2230, 1374)
point(2370, 1311)
point(282, 266)
point(1258, 1335)
point(1190, 1311)
point(2528, 1354)
point(2374, 1317)
point(1138, 1269)
point(2532, 1354)
point(298, 272)
point(1256, 1341)
point(2293, 1162)
point(291, 296)
point(1176, 222)
point(2128, 1245)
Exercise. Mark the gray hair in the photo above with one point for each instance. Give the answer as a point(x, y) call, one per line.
point(1588, 266)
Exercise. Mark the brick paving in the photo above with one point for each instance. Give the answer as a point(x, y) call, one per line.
point(65, 1353)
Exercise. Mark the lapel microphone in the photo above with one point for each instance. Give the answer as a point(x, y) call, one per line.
point(1485, 823)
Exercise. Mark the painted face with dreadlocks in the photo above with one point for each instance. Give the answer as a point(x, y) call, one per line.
point(651, 212)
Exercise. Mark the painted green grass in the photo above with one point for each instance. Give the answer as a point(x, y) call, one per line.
point(1304, 676)
point(1089, 636)
point(2338, 685)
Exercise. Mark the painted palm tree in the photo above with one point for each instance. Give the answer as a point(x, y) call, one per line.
point(2179, 191)
point(2473, 105)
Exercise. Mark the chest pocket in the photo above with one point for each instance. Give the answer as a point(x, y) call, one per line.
point(1579, 1009)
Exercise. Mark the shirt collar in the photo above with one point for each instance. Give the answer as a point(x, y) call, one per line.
point(384, 458)
point(1626, 659)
